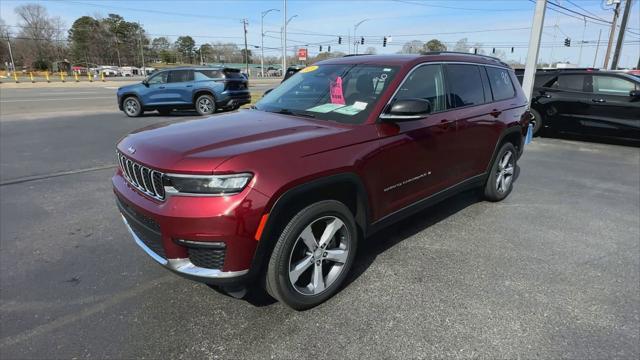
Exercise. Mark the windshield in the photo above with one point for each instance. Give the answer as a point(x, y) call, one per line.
point(342, 93)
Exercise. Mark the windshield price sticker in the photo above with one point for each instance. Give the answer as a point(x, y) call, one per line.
point(309, 69)
point(348, 110)
point(325, 108)
point(335, 91)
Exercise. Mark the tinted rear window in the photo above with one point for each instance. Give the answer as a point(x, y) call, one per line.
point(465, 85)
point(207, 74)
point(180, 76)
point(501, 84)
point(569, 82)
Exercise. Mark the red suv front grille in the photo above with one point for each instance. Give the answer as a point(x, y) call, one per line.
point(146, 180)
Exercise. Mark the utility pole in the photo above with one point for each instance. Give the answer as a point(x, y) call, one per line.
point(141, 47)
point(534, 48)
point(623, 29)
point(284, 38)
point(13, 65)
point(612, 34)
point(355, 29)
point(597, 48)
point(246, 51)
point(264, 13)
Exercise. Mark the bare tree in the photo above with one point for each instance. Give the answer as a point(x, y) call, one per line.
point(39, 39)
point(412, 47)
point(370, 50)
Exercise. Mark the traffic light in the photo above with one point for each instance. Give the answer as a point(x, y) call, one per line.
point(362, 40)
point(320, 48)
point(329, 48)
point(512, 49)
point(567, 42)
point(494, 51)
point(339, 40)
point(384, 42)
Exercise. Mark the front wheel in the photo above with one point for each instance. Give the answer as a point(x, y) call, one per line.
point(313, 255)
point(500, 180)
point(132, 107)
point(205, 105)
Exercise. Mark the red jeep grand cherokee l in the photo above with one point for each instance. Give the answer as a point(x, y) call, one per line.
point(284, 193)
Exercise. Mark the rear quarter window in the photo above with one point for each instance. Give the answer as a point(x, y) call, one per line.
point(501, 85)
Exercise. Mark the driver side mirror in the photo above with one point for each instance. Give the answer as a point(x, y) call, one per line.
point(635, 94)
point(407, 110)
point(145, 82)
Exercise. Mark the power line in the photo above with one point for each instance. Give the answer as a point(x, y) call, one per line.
point(585, 10)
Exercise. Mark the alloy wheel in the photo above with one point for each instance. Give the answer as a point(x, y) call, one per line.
point(318, 256)
point(131, 107)
point(205, 105)
point(505, 172)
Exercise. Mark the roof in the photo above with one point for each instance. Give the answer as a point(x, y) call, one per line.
point(408, 59)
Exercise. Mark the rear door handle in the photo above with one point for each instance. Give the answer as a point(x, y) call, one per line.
point(161, 87)
point(495, 113)
point(599, 100)
point(445, 124)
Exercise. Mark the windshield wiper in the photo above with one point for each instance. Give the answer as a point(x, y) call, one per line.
point(289, 112)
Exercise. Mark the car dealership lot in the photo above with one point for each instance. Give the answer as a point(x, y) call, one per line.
point(553, 271)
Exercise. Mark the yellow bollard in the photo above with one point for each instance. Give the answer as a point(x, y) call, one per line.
point(15, 77)
point(76, 75)
point(61, 77)
point(46, 74)
point(102, 76)
point(89, 76)
point(31, 76)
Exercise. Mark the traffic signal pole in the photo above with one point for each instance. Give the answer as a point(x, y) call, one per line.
point(534, 48)
point(623, 28)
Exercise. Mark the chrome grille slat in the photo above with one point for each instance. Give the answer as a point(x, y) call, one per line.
point(144, 179)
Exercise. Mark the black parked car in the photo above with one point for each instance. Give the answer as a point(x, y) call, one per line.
point(587, 101)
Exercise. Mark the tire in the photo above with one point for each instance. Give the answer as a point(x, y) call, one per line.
point(164, 112)
point(331, 260)
point(132, 107)
point(205, 105)
point(537, 121)
point(502, 174)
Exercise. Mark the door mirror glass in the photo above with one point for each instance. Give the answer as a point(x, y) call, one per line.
point(635, 94)
point(408, 109)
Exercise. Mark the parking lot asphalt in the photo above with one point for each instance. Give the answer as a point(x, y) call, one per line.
point(551, 272)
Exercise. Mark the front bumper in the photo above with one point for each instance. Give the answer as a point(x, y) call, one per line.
point(207, 239)
point(184, 266)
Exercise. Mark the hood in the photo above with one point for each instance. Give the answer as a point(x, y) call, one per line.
point(128, 87)
point(201, 145)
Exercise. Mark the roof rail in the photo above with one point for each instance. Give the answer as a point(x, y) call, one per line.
point(464, 53)
point(348, 55)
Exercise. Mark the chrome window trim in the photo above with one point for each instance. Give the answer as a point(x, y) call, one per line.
point(406, 77)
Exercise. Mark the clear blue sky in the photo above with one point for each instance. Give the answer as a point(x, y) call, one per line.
point(402, 20)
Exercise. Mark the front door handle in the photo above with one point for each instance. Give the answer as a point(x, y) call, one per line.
point(189, 85)
point(161, 87)
point(599, 100)
point(445, 124)
point(495, 113)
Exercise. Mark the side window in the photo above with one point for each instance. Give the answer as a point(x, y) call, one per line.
point(425, 82)
point(611, 85)
point(207, 74)
point(465, 85)
point(569, 82)
point(501, 85)
point(159, 78)
point(176, 76)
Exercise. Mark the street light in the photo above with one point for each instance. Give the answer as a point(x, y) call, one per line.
point(355, 29)
point(264, 13)
point(283, 33)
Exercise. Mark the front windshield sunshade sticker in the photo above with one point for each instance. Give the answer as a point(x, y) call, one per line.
point(335, 91)
point(309, 69)
point(325, 108)
point(348, 110)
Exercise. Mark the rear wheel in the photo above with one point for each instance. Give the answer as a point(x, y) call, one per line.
point(500, 180)
point(537, 121)
point(205, 105)
point(313, 255)
point(132, 107)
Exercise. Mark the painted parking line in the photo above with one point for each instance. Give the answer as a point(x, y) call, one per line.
point(58, 99)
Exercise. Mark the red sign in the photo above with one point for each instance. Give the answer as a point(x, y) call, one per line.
point(302, 54)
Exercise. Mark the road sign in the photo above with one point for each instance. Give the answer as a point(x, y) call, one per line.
point(302, 54)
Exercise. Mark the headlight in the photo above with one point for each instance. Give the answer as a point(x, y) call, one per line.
point(213, 185)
